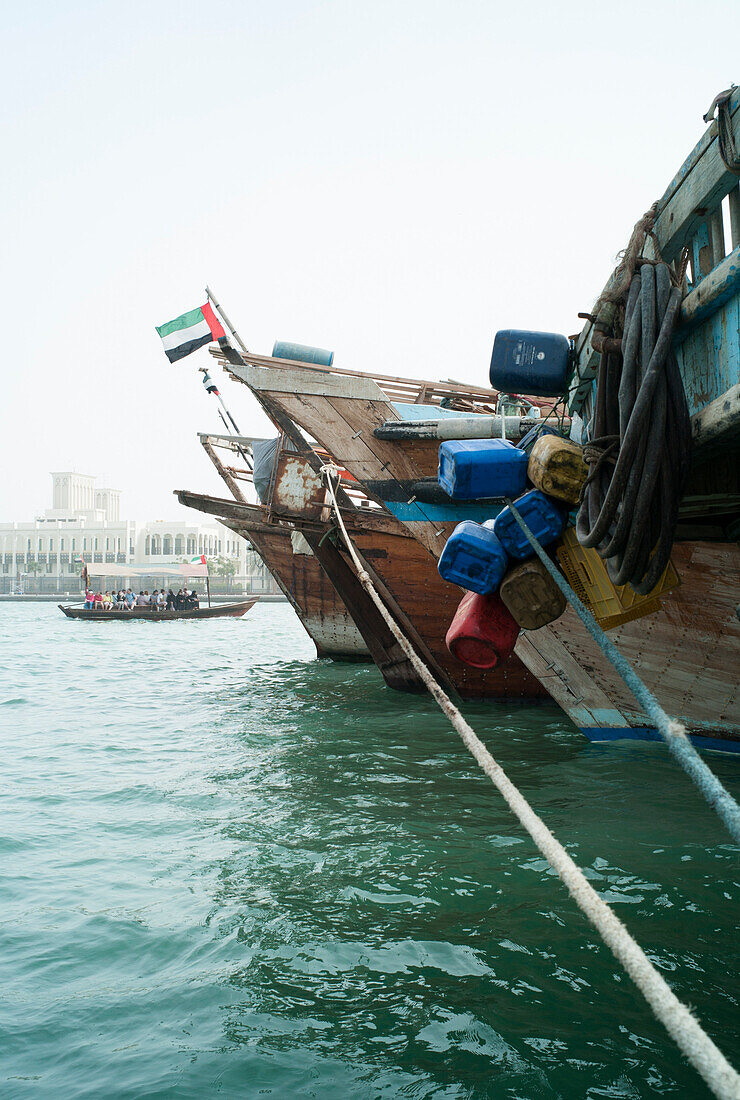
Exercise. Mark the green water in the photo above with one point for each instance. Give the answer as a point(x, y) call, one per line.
point(227, 869)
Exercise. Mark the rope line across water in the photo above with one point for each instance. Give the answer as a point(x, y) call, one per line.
point(693, 1041)
point(673, 733)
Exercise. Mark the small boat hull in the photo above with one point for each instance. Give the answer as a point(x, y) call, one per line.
point(222, 611)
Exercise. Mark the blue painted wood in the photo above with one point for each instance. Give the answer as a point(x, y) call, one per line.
point(716, 289)
point(453, 512)
point(701, 247)
point(709, 356)
point(642, 733)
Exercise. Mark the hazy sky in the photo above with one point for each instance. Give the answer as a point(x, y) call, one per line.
point(394, 181)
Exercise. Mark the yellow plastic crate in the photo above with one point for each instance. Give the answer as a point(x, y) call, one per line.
point(610, 604)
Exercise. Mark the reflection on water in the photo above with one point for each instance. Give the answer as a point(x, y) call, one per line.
point(230, 868)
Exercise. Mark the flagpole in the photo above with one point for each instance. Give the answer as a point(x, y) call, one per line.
point(212, 388)
point(229, 325)
point(212, 298)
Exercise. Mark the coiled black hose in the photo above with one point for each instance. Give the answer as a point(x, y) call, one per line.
point(640, 450)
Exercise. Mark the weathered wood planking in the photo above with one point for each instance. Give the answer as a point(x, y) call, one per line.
point(688, 653)
point(416, 595)
point(718, 419)
point(406, 572)
point(709, 356)
point(718, 287)
point(315, 593)
point(411, 390)
point(299, 577)
point(410, 585)
point(225, 474)
point(701, 184)
point(344, 424)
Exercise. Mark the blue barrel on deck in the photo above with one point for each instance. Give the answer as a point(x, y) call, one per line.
point(283, 349)
point(544, 517)
point(536, 363)
point(473, 469)
point(474, 558)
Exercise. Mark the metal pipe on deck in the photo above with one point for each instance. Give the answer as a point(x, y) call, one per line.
point(460, 427)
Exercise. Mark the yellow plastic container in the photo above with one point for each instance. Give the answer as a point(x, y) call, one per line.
point(556, 467)
point(610, 604)
point(531, 595)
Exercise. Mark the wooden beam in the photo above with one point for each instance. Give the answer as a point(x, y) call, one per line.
point(412, 386)
point(717, 419)
point(230, 441)
point(712, 292)
point(224, 473)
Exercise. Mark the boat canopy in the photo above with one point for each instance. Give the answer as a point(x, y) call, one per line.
point(176, 569)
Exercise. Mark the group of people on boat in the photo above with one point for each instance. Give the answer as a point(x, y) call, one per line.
point(128, 600)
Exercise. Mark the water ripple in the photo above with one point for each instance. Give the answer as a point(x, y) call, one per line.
point(228, 868)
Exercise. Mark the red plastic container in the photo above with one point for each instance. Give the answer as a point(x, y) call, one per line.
point(483, 632)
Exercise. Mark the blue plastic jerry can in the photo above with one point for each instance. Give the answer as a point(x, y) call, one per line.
point(475, 469)
point(544, 517)
point(474, 558)
point(536, 363)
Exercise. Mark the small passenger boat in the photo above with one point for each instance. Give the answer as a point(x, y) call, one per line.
point(227, 610)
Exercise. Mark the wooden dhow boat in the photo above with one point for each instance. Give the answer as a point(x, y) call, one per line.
point(688, 652)
point(219, 611)
point(322, 588)
point(343, 410)
point(403, 570)
point(193, 569)
point(298, 575)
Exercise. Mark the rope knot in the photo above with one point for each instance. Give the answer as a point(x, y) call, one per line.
point(596, 454)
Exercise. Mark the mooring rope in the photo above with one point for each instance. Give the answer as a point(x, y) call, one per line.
point(693, 1041)
point(673, 732)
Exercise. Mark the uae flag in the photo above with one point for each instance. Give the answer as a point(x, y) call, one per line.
point(200, 559)
point(191, 331)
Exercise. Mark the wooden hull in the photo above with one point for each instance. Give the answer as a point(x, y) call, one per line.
point(301, 579)
point(688, 654)
point(405, 564)
point(567, 664)
point(341, 414)
point(222, 611)
point(320, 578)
point(408, 577)
point(412, 589)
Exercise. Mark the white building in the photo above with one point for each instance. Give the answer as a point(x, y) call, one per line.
point(85, 522)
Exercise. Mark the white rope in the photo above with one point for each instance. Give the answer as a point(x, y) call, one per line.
point(690, 1037)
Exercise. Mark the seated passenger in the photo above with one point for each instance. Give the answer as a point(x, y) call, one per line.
point(130, 599)
point(107, 601)
point(89, 597)
point(98, 601)
point(142, 600)
point(170, 600)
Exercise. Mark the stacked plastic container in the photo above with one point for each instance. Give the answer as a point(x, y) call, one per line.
point(508, 587)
